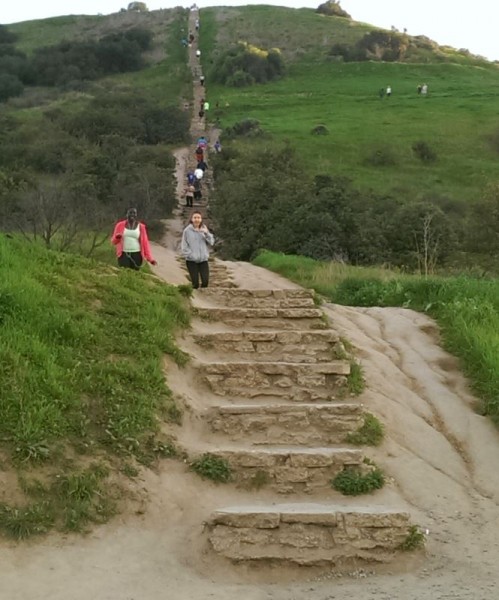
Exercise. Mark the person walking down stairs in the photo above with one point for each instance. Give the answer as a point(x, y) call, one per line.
point(196, 240)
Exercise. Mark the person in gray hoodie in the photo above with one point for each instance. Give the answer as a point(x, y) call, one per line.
point(195, 241)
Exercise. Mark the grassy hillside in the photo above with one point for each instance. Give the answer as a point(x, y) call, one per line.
point(467, 309)
point(82, 388)
point(457, 120)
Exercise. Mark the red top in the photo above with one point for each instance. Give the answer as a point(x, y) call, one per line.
point(145, 248)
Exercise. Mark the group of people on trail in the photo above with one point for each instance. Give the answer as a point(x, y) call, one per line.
point(423, 89)
point(130, 235)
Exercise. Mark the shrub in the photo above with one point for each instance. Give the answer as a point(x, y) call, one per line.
point(424, 152)
point(332, 8)
point(210, 466)
point(370, 433)
point(354, 482)
point(320, 130)
point(381, 156)
point(10, 86)
point(246, 128)
point(415, 539)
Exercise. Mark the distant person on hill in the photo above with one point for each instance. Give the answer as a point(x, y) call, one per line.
point(196, 240)
point(189, 195)
point(424, 89)
point(197, 24)
point(202, 165)
point(190, 177)
point(201, 79)
point(218, 146)
point(191, 37)
point(202, 142)
point(198, 53)
point(131, 241)
point(206, 106)
point(420, 87)
point(199, 154)
point(201, 113)
point(381, 92)
point(388, 91)
point(199, 173)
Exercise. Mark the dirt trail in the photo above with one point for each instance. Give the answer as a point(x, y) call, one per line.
point(441, 455)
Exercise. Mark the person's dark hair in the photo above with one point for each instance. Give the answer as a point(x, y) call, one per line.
point(196, 212)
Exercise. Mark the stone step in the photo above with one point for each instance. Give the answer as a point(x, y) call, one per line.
point(281, 346)
point(308, 534)
point(292, 381)
point(266, 318)
point(299, 424)
point(245, 298)
point(288, 469)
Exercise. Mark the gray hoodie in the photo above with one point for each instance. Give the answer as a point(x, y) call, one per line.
point(195, 244)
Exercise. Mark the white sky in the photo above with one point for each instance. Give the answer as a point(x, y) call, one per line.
point(474, 28)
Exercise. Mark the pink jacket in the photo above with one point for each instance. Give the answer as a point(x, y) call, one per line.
point(145, 248)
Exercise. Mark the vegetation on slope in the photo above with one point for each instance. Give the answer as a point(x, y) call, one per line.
point(467, 309)
point(82, 388)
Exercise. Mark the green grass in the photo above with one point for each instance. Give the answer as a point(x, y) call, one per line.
point(82, 347)
point(466, 308)
point(210, 466)
point(415, 539)
point(354, 482)
point(370, 433)
point(455, 120)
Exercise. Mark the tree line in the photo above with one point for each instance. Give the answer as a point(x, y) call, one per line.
point(265, 200)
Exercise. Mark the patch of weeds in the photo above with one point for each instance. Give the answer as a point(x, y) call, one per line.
point(185, 289)
point(354, 482)
point(34, 452)
point(370, 433)
point(258, 480)
point(174, 413)
point(155, 448)
point(347, 344)
point(180, 357)
point(355, 380)
point(26, 521)
point(210, 466)
point(317, 298)
point(129, 470)
point(339, 351)
point(415, 539)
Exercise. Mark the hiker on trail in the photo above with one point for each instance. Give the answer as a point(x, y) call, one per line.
point(201, 113)
point(218, 146)
point(190, 177)
point(206, 106)
point(189, 195)
point(131, 241)
point(199, 153)
point(199, 173)
point(202, 142)
point(388, 91)
point(201, 79)
point(198, 53)
point(197, 24)
point(191, 37)
point(196, 240)
point(420, 87)
point(202, 165)
point(198, 194)
point(424, 89)
point(381, 92)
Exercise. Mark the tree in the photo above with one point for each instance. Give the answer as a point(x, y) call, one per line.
point(10, 86)
point(332, 8)
point(483, 228)
point(137, 6)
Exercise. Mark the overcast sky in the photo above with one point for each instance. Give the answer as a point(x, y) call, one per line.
point(474, 28)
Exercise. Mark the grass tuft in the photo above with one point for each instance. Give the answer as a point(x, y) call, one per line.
point(212, 467)
point(370, 433)
point(354, 482)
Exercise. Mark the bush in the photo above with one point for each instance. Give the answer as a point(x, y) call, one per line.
point(320, 130)
point(332, 8)
point(246, 128)
point(424, 152)
point(10, 86)
point(353, 482)
point(370, 433)
point(245, 64)
point(210, 466)
point(381, 156)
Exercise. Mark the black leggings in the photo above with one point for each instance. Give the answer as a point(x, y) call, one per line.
point(197, 270)
point(130, 260)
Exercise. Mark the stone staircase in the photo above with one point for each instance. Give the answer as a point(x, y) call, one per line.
point(267, 392)
point(272, 401)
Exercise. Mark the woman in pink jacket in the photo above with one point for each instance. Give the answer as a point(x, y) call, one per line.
point(131, 241)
